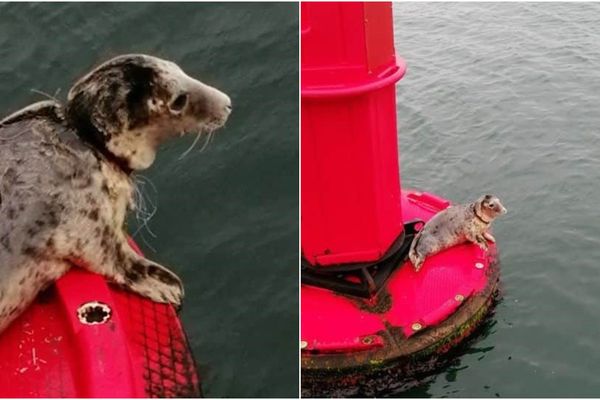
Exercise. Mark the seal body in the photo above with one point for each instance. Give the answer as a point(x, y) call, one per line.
point(455, 225)
point(65, 176)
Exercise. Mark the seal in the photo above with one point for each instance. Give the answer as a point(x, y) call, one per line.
point(455, 225)
point(66, 176)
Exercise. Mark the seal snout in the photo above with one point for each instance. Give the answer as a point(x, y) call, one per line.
point(210, 104)
point(222, 104)
point(225, 102)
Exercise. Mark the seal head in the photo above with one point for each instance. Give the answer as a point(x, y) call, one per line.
point(128, 106)
point(487, 208)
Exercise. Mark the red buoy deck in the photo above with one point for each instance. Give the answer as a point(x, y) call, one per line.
point(416, 316)
point(85, 338)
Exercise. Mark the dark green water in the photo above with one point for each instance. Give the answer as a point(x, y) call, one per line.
point(227, 218)
point(505, 98)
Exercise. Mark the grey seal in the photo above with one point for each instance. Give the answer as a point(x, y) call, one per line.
point(455, 225)
point(66, 176)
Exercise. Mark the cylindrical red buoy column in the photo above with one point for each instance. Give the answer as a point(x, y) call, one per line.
point(351, 208)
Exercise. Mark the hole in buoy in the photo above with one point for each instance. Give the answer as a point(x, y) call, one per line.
point(94, 313)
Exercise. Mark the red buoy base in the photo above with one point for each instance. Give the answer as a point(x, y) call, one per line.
point(413, 319)
point(83, 337)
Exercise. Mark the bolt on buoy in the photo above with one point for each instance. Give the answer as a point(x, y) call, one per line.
point(416, 326)
point(303, 344)
point(459, 297)
point(94, 313)
point(479, 265)
point(367, 340)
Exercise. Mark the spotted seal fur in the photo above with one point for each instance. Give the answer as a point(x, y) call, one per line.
point(455, 225)
point(66, 176)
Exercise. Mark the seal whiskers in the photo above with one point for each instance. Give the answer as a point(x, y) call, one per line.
point(143, 216)
point(185, 153)
point(208, 132)
point(207, 142)
point(47, 95)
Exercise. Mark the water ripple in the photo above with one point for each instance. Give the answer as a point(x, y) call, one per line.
point(504, 98)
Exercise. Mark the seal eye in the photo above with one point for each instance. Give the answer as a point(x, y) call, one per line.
point(491, 205)
point(179, 102)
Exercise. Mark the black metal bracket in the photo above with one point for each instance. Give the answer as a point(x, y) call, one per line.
point(362, 279)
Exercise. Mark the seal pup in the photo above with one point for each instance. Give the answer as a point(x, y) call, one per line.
point(455, 225)
point(66, 176)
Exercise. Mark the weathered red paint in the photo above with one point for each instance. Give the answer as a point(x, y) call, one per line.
point(141, 351)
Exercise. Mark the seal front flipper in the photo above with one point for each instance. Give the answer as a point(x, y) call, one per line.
point(489, 237)
point(414, 256)
point(139, 275)
point(154, 281)
point(479, 240)
point(133, 272)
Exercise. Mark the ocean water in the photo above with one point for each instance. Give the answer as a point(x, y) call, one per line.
point(226, 218)
point(505, 98)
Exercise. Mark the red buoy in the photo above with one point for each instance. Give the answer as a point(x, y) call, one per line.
point(85, 338)
point(363, 306)
point(350, 182)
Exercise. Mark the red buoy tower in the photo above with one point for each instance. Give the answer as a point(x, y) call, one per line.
point(363, 306)
point(351, 208)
